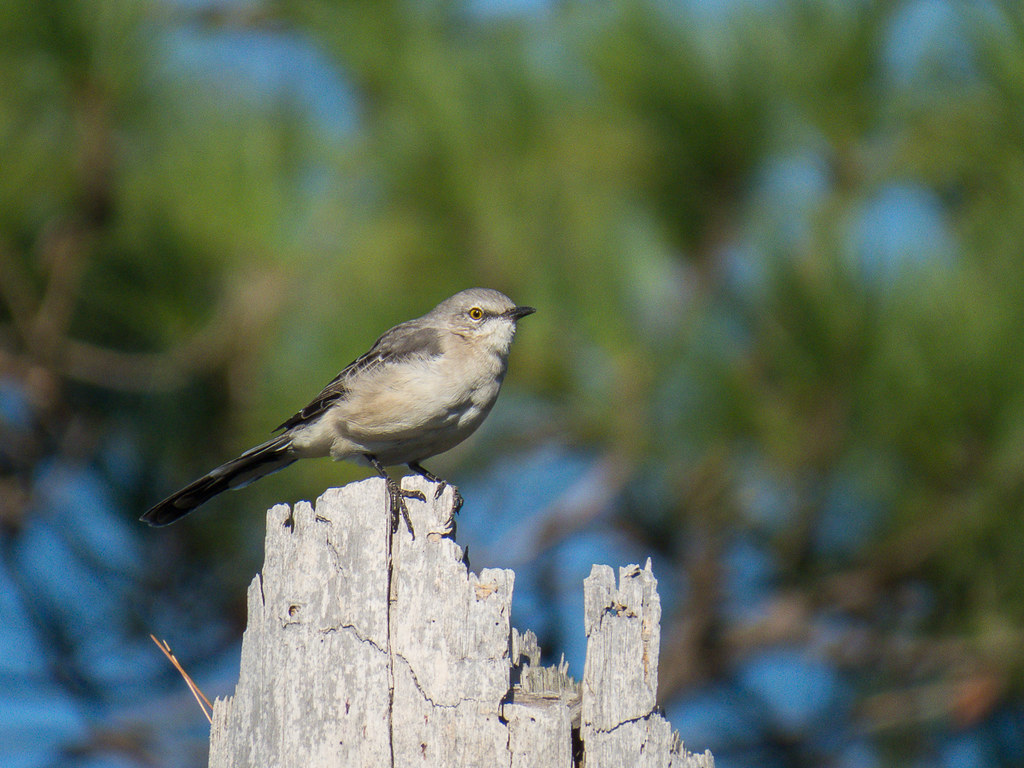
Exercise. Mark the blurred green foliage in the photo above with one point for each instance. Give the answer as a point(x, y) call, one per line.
point(194, 257)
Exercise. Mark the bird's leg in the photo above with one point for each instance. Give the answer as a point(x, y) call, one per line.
point(396, 497)
point(419, 469)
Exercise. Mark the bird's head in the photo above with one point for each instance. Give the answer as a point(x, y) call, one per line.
point(482, 316)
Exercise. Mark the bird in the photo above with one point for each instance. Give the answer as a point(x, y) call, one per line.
point(421, 389)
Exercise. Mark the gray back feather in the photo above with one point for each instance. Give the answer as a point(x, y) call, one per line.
point(405, 340)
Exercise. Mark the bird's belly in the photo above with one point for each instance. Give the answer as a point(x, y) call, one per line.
point(399, 424)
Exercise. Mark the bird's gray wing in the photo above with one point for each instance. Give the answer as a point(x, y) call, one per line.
point(402, 342)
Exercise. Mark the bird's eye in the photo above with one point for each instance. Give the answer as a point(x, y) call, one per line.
point(476, 313)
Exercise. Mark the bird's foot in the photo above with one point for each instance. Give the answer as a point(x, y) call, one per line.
point(396, 501)
point(456, 499)
point(396, 496)
point(456, 496)
point(440, 485)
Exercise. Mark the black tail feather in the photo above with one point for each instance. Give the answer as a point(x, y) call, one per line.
point(250, 466)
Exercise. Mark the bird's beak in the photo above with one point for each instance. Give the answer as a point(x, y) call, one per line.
point(519, 312)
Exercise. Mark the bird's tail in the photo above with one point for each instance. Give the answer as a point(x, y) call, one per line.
point(255, 463)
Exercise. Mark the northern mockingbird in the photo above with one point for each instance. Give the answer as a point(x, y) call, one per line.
point(423, 388)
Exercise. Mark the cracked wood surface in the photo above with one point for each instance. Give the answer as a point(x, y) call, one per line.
point(366, 648)
point(620, 723)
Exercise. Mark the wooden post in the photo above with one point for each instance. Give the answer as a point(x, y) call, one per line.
point(365, 648)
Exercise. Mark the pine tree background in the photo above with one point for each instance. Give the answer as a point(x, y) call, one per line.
point(776, 251)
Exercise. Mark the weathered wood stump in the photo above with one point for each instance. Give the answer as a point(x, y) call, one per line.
point(367, 648)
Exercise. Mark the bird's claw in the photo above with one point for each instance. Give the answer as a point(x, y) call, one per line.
point(456, 496)
point(440, 485)
point(397, 497)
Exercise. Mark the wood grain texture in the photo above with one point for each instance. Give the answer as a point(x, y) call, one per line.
point(621, 726)
point(367, 648)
